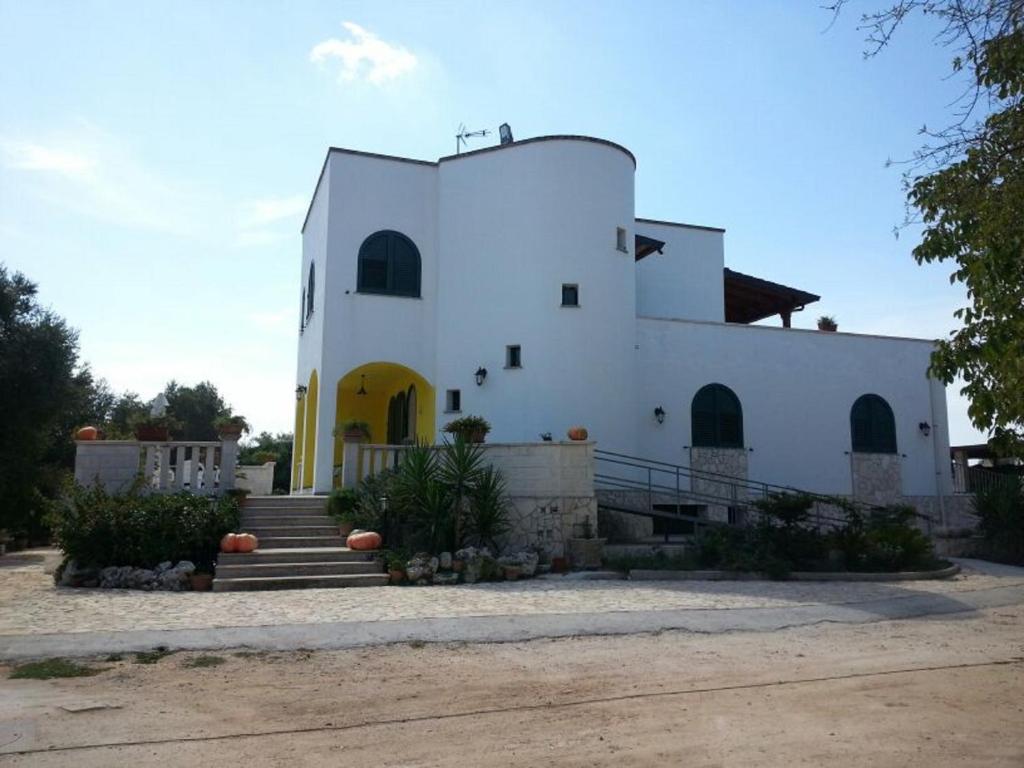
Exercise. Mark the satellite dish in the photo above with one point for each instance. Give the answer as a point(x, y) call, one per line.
point(505, 132)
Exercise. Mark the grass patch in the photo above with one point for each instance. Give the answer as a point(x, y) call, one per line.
point(51, 668)
point(417, 643)
point(251, 654)
point(152, 657)
point(115, 657)
point(202, 662)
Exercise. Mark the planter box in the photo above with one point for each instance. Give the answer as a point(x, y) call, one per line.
point(586, 553)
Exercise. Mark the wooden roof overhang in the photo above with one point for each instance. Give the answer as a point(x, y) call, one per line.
point(749, 299)
point(645, 246)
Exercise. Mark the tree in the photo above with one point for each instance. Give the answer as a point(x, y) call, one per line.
point(267, 447)
point(966, 187)
point(42, 389)
point(196, 408)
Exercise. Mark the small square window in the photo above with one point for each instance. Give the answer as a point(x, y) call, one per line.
point(570, 295)
point(513, 356)
point(453, 401)
point(620, 239)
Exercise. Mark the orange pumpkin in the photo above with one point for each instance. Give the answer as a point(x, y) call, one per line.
point(87, 433)
point(578, 433)
point(246, 542)
point(363, 540)
point(229, 543)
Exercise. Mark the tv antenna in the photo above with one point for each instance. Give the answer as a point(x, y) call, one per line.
point(463, 134)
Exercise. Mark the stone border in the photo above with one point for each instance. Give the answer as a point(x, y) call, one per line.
point(651, 575)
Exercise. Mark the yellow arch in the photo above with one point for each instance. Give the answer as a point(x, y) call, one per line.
point(298, 444)
point(309, 442)
point(381, 382)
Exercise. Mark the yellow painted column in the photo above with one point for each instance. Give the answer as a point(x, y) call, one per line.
point(309, 442)
point(298, 444)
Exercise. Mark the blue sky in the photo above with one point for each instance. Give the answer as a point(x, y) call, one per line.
point(156, 159)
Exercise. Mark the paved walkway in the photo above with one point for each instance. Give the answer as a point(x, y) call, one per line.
point(38, 619)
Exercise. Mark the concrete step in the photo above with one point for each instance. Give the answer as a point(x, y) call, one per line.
point(274, 570)
point(282, 520)
point(300, 582)
point(274, 531)
point(291, 542)
point(310, 555)
point(284, 501)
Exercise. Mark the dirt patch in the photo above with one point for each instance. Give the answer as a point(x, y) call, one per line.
point(910, 693)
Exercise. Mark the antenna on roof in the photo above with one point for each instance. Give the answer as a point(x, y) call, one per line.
point(463, 134)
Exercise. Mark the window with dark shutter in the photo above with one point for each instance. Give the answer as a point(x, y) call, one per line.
point(389, 264)
point(716, 418)
point(872, 425)
point(311, 290)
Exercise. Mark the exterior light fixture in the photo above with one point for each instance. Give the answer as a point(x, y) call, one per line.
point(925, 427)
point(362, 384)
point(481, 374)
point(659, 414)
point(300, 391)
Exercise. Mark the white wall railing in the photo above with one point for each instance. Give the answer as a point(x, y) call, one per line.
point(201, 467)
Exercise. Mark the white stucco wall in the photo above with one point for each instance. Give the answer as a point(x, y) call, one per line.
point(686, 280)
point(515, 224)
point(796, 389)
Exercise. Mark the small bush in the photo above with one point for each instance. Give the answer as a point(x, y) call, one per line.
point(101, 529)
point(205, 661)
point(658, 561)
point(1000, 510)
point(52, 668)
point(343, 505)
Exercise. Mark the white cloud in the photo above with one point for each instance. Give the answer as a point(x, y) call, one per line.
point(269, 221)
point(364, 55)
point(28, 156)
point(91, 173)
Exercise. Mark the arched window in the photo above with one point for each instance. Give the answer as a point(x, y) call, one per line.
point(872, 425)
point(302, 311)
point(716, 418)
point(311, 289)
point(389, 263)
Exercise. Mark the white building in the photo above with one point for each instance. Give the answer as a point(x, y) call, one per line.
point(527, 260)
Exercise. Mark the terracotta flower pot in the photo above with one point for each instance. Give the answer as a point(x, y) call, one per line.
point(559, 564)
point(396, 576)
point(345, 528)
point(146, 434)
point(458, 566)
point(229, 432)
point(512, 572)
point(201, 582)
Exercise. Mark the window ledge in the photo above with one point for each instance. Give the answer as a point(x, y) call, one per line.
point(446, 412)
point(387, 295)
point(512, 368)
point(571, 306)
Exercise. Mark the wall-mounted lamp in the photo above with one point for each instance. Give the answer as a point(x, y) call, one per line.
point(925, 427)
point(300, 391)
point(362, 384)
point(481, 374)
point(659, 414)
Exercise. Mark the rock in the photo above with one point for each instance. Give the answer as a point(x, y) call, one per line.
point(164, 566)
point(526, 561)
point(434, 563)
point(75, 575)
point(186, 567)
point(445, 561)
point(420, 567)
point(445, 579)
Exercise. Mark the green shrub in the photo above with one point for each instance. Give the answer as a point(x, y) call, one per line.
point(1000, 510)
point(343, 505)
point(101, 529)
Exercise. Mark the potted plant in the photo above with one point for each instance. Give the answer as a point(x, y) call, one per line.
point(512, 572)
point(230, 427)
point(827, 323)
point(586, 550)
point(396, 568)
point(343, 507)
point(472, 429)
point(200, 581)
point(154, 429)
point(354, 431)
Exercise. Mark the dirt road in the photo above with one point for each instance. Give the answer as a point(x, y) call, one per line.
point(930, 692)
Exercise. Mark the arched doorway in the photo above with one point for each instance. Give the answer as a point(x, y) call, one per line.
point(395, 402)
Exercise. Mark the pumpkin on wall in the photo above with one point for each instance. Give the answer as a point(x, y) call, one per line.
point(578, 433)
point(87, 433)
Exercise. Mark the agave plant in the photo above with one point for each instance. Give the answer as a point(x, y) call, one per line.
point(460, 468)
point(488, 504)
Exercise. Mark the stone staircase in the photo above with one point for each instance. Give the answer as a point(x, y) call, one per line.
point(300, 548)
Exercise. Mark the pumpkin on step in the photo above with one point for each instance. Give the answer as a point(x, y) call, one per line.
point(229, 542)
point(578, 433)
point(246, 542)
point(363, 540)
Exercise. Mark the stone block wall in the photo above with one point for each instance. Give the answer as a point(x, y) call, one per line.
point(551, 490)
point(877, 477)
point(114, 464)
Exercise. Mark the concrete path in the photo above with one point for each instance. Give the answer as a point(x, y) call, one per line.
point(994, 586)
